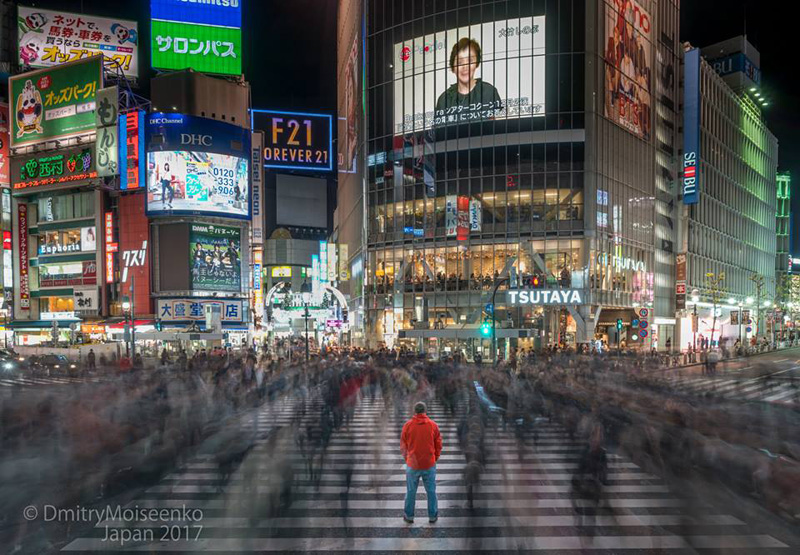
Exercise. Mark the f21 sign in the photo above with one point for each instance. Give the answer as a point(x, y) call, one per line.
point(295, 140)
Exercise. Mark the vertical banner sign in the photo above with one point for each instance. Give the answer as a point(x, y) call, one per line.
point(691, 127)
point(134, 237)
point(331, 262)
point(8, 261)
point(463, 219)
point(131, 150)
point(5, 176)
point(323, 262)
point(344, 262)
point(111, 246)
point(315, 273)
point(107, 143)
point(451, 215)
point(258, 188)
point(24, 278)
point(475, 215)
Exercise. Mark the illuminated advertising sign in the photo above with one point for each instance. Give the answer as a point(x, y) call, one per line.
point(52, 37)
point(24, 277)
point(295, 140)
point(67, 241)
point(628, 40)
point(107, 142)
point(56, 102)
point(281, 272)
point(197, 166)
point(691, 127)
point(111, 246)
point(559, 297)
point(68, 274)
point(131, 150)
point(8, 261)
point(737, 63)
point(64, 166)
point(205, 35)
point(462, 233)
point(258, 188)
point(216, 257)
point(5, 176)
point(227, 13)
point(197, 182)
point(134, 241)
point(486, 71)
point(182, 310)
point(451, 215)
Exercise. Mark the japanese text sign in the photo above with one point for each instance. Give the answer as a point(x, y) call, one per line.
point(55, 103)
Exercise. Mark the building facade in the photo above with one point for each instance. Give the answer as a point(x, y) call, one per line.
point(524, 147)
point(729, 207)
point(783, 226)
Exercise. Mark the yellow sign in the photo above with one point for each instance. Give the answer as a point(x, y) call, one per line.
point(282, 271)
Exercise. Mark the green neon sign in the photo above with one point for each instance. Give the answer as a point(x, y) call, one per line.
point(204, 48)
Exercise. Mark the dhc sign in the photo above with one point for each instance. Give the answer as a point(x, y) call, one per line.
point(545, 296)
point(691, 127)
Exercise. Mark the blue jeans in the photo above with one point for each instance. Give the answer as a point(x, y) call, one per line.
point(429, 482)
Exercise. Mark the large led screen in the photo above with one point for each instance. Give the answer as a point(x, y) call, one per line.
point(627, 76)
point(487, 71)
point(216, 258)
point(197, 183)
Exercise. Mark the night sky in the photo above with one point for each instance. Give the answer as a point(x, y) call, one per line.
point(290, 53)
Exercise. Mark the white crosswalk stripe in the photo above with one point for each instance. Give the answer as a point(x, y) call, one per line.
point(522, 504)
point(749, 389)
point(38, 381)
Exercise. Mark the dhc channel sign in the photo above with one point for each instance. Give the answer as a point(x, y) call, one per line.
point(691, 128)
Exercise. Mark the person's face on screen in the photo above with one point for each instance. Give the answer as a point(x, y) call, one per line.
point(466, 64)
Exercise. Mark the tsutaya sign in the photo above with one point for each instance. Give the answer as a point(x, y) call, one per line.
point(545, 296)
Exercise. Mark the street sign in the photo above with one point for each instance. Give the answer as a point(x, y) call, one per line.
point(643, 312)
point(635, 323)
point(643, 333)
point(643, 324)
point(489, 308)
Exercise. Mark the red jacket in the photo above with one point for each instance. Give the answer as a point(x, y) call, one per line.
point(420, 442)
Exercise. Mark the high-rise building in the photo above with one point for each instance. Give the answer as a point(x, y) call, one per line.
point(783, 225)
point(520, 168)
point(729, 204)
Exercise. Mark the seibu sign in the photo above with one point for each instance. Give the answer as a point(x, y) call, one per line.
point(545, 296)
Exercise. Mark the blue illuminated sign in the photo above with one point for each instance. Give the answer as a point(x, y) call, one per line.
point(195, 134)
point(691, 127)
point(220, 13)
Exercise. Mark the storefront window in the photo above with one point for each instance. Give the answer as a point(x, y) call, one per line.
point(56, 304)
point(65, 241)
point(66, 207)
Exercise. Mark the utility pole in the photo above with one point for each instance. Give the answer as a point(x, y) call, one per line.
point(133, 320)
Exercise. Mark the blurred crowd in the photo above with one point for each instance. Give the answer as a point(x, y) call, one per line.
point(92, 442)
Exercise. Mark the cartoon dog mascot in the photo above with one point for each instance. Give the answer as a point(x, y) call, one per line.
point(29, 110)
point(31, 24)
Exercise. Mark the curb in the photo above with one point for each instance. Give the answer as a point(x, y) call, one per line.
point(726, 360)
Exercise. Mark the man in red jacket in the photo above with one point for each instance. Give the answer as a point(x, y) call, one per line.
point(421, 445)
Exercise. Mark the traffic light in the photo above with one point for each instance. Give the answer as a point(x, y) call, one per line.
point(159, 327)
point(486, 329)
point(619, 324)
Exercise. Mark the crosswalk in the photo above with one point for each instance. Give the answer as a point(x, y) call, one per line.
point(524, 502)
point(10, 381)
point(775, 390)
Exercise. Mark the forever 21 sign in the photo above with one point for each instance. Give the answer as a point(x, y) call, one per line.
point(295, 140)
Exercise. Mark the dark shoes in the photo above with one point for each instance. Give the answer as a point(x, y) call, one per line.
point(408, 520)
point(433, 520)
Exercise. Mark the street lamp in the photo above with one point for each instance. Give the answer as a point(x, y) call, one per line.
point(126, 309)
point(305, 292)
